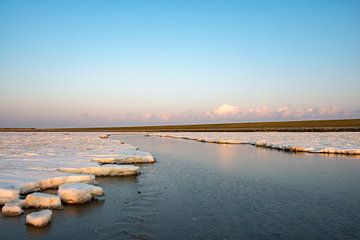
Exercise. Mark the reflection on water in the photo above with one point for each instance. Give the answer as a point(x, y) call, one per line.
point(68, 211)
point(81, 209)
point(114, 180)
point(226, 156)
point(38, 232)
point(208, 191)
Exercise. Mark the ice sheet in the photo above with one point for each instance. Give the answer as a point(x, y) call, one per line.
point(29, 161)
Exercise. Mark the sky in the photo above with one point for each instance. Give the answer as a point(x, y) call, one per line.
point(123, 63)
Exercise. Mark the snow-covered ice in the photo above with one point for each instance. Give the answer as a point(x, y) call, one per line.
point(126, 157)
point(8, 195)
point(54, 181)
point(12, 209)
point(76, 193)
point(29, 162)
point(105, 170)
point(312, 142)
point(40, 218)
point(43, 200)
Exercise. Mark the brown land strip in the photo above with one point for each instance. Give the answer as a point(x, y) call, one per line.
point(345, 125)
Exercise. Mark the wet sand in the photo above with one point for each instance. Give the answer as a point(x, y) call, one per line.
point(208, 191)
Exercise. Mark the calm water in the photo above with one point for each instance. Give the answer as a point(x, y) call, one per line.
point(208, 191)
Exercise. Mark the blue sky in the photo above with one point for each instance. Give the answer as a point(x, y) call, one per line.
point(92, 63)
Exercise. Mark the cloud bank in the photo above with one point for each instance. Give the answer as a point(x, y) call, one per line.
point(221, 113)
point(288, 112)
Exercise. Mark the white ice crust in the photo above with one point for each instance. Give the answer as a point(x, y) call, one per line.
point(77, 193)
point(105, 170)
point(8, 195)
point(43, 200)
point(126, 157)
point(12, 209)
point(312, 142)
point(53, 182)
point(40, 218)
point(29, 162)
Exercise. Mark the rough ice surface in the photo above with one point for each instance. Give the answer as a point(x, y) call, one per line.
point(8, 195)
point(43, 200)
point(126, 157)
point(12, 209)
point(40, 218)
point(29, 161)
point(77, 193)
point(53, 182)
point(105, 170)
point(312, 142)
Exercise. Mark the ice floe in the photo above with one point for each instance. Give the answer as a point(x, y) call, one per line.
point(77, 193)
point(312, 142)
point(43, 200)
point(105, 170)
point(126, 157)
point(12, 209)
point(40, 218)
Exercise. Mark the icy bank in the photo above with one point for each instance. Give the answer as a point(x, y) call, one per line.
point(105, 170)
point(126, 157)
point(54, 182)
point(77, 193)
point(29, 162)
point(32, 181)
point(33, 162)
point(39, 219)
point(313, 142)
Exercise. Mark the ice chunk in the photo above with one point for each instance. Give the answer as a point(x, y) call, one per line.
point(104, 136)
point(105, 170)
point(40, 218)
point(127, 157)
point(54, 182)
point(8, 195)
point(77, 193)
point(12, 208)
point(43, 200)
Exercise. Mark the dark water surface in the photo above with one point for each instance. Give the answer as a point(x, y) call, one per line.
point(208, 191)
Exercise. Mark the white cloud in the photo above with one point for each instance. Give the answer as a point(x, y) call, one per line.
point(227, 112)
point(226, 109)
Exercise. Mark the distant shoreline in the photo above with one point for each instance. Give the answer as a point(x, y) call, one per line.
point(344, 125)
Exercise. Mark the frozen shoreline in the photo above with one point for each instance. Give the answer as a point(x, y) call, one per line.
point(347, 143)
point(31, 162)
